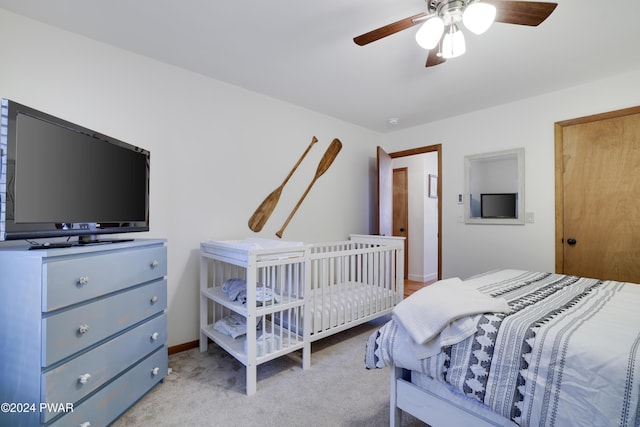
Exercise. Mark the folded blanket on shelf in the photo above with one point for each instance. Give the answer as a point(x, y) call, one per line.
point(236, 290)
point(233, 325)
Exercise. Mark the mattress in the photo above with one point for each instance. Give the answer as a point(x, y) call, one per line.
point(567, 354)
point(335, 305)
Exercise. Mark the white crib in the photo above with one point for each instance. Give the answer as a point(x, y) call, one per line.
point(317, 289)
point(353, 282)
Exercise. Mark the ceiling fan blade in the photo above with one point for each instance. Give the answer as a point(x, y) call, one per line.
point(387, 30)
point(531, 13)
point(433, 59)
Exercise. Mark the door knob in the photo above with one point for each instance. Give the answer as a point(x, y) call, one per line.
point(571, 241)
point(402, 230)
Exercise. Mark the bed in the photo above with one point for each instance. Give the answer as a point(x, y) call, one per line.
point(565, 352)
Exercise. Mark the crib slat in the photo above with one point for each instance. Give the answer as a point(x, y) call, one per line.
point(352, 282)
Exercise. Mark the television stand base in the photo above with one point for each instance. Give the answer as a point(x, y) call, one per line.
point(51, 246)
point(101, 241)
point(54, 245)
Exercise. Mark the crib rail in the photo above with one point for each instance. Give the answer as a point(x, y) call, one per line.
point(353, 282)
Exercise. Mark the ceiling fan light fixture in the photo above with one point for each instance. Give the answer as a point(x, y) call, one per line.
point(478, 17)
point(430, 32)
point(453, 44)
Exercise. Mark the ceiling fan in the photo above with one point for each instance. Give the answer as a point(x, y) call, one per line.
point(440, 32)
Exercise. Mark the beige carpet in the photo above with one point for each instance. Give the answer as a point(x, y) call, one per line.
point(208, 389)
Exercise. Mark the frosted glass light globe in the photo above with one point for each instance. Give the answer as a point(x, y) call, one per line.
point(429, 34)
point(478, 17)
point(453, 44)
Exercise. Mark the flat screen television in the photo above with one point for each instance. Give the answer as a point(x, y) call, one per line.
point(59, 179)
point(499, 205)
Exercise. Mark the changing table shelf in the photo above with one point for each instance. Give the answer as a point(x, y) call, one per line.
point(237, 347)
point(216, 294)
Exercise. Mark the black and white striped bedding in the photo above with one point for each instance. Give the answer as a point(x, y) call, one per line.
point(567, 354)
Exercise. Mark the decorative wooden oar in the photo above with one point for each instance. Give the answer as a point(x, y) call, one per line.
point(264, 211)
point(326, 160)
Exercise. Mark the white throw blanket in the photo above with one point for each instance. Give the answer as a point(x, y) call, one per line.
point(437, 315)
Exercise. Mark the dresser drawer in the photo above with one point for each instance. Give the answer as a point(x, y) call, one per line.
point(71, 280)
point(70, 331)
point(84, 374)
point(110, 402)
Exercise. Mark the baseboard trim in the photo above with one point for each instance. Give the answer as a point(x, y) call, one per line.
point(183, 347)
point(425, 278)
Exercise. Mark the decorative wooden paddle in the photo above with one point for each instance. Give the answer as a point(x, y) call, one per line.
point(326, 160)
point(263, 212)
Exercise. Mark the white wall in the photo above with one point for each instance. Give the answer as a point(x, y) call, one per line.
point(430, 261)
point(216, 150)
point(473, 248)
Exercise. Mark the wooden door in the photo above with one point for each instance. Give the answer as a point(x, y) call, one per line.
point(401, 210)
point(598, 196)
point(385, 194)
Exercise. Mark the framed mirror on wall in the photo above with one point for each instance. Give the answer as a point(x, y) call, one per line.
point(494, 187)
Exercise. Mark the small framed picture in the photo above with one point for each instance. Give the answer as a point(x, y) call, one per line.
point(433, 186)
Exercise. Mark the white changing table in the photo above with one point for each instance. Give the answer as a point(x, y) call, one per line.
point(280, 267)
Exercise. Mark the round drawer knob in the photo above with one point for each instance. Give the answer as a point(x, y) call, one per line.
point(85, 424)
point(84, 378)
point(154, 299)
point(83, 281)
point(154, 336)
point(154, 263)
point(155, 371)
point(83, 329)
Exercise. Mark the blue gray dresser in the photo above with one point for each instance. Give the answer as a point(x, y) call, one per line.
point(82, 331)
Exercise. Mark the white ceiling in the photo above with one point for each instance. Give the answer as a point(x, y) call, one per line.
point(303, 52)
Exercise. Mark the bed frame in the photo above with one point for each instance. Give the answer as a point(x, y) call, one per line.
point(436, 408)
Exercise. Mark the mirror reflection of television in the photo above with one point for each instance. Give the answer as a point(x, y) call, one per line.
point(499, 205)
point(59, 179)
